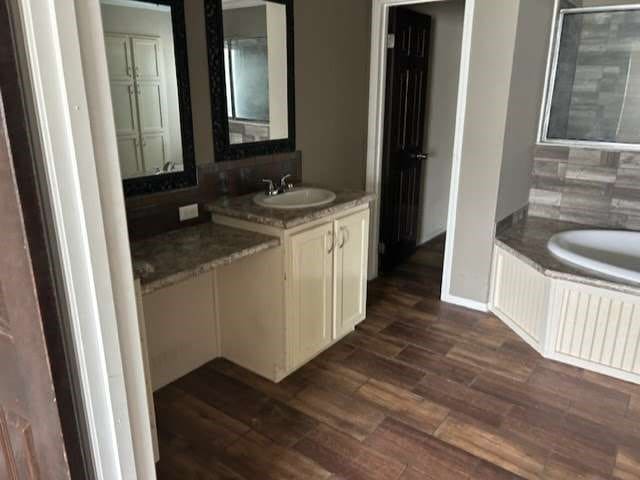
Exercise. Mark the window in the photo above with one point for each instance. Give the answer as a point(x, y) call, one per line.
point(247, 79)
point(593, 95)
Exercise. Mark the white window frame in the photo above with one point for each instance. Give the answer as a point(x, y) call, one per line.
point(550, 80)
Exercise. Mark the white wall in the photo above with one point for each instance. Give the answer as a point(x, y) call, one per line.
point(525, 97)
point(493, 45)
point(508, 55)
point(332, 49)
point(442, 95)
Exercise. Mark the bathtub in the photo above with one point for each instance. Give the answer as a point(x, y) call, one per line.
point(609, 253)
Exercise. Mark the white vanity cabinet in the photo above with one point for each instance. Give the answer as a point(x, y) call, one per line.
point(326, 283)
point(321, 280)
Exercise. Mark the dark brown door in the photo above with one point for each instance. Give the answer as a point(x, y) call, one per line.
point(403, 154)
point(31, 442)
point(40, 425)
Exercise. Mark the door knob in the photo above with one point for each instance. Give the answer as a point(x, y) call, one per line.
point(420, 156)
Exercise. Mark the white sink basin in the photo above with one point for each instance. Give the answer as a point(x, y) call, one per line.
point(298, 198)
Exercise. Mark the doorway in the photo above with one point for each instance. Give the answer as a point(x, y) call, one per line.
point(423, 55)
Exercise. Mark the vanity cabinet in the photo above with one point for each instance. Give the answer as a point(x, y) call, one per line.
point(327, 283)
point(323, 267)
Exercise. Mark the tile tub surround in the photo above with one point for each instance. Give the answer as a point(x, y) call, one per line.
point(150, 215)
point(172, 257)
point(590, 187)
point(244, 208)
point(528, 239)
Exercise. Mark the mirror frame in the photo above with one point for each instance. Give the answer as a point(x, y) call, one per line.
point(189, 176)
point(224, 150)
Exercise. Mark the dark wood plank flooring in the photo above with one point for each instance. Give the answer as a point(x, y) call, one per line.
point(422, 390)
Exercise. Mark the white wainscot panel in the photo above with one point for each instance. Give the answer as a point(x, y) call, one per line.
point(590, 327)
point(520, 297)
point(597, 325)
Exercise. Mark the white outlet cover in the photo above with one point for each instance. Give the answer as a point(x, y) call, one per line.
point(188, 212)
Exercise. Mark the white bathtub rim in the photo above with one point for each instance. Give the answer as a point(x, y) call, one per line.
point(589, 264)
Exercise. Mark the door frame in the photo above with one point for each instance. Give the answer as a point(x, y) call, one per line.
point(61, 58)
point(377, 97)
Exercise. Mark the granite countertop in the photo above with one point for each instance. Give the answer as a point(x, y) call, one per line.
point(244, 208)
point(528, 241)
point(172, 257)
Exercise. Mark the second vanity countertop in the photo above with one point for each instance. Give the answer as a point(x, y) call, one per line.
point(244, 208)
point(172, 257)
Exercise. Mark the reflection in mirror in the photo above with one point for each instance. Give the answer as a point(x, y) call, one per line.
point(595, 93)
point(139, 38)
point(255, 62)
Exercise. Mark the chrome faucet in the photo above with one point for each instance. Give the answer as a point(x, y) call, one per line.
point(271, 189)
point(284, 187)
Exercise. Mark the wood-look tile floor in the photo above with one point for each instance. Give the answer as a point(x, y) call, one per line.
point(422, 390)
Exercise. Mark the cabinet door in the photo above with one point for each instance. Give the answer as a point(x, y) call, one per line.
point(154, 152)
point(350, 284)
point(311, 257)
point(129, 153)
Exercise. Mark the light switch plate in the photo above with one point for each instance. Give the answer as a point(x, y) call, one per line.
point(188, 212)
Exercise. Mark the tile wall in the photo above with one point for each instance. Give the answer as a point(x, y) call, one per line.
point(591, 187)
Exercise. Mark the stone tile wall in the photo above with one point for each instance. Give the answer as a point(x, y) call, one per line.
point(591, 187)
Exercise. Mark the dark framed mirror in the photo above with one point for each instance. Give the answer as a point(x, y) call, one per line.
point(251, 70)
point(149, 77)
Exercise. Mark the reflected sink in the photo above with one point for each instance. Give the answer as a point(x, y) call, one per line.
point(298, 198)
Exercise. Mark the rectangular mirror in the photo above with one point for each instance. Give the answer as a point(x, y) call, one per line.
point(250, 45)
point(148, 74)
point(594, 83)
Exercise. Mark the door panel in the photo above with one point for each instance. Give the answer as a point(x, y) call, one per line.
point(119, 57)
point(352, 235)
point(150, 105)
point(124, 110)
point(311, 291)
point(404, 135)
point(129, 153)
point(154, 152)
point(31, 441)
point(147, 59)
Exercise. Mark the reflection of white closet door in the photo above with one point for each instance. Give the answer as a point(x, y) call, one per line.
point(130, 156)
point(154, 151)
point(139, 102)
point(125, 113)
point(119, 57)
point(152, 112)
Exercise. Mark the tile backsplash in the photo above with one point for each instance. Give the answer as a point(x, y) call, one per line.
point(591, 187)
point(149, 215)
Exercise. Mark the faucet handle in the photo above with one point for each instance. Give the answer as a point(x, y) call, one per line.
point(270, 188)
point(284, 186)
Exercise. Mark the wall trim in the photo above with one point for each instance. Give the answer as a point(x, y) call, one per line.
point(465, 302)
point(377, 77)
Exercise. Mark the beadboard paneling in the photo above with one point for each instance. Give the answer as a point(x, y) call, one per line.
point(598, 327)
point(520, 296)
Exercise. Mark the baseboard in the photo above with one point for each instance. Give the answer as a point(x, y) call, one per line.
point(465, 302)
point(433, 234)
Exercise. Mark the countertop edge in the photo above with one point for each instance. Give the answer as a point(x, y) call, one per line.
point(554, 274)
point(214, 208)
point(175, 278)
